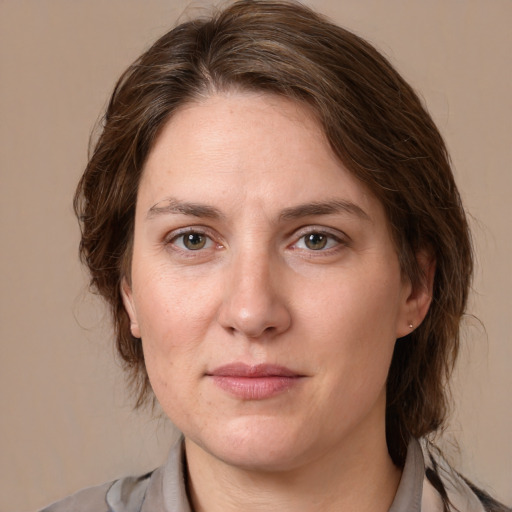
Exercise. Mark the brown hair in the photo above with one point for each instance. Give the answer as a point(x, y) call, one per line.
point(374, 122)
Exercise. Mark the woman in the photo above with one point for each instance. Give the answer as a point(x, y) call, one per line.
point(271, 215)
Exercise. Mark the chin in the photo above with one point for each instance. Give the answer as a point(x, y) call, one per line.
point(261, 444)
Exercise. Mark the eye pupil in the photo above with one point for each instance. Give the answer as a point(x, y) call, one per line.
point(315, 241)
point(194, 241)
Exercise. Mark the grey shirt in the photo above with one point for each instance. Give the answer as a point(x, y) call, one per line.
point(163, 490)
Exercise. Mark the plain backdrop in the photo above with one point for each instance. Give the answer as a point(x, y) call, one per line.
point(65, 420)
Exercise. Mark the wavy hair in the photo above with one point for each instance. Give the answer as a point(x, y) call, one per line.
point(376, 125)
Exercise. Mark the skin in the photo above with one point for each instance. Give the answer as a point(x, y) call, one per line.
point(234, 172)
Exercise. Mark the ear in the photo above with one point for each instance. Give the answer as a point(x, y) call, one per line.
point(129, 306)
point(418, 297)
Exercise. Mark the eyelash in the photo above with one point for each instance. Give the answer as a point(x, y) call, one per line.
point(173, 238)
point(333, 242)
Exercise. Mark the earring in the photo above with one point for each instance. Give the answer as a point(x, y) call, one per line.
point(411, 326)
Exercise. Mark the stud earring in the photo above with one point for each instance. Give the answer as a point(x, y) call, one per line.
point(411, 326)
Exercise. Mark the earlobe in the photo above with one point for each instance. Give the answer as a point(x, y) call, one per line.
point(419, 296)
point(129, 306)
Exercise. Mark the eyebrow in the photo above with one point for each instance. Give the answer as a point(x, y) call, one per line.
point(174, 206)
point(329, 207)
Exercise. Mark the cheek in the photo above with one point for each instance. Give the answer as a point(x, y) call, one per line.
point(173, 316)
point(172, 307)
point(171, 342)
point(355, 330)
point(365, 308)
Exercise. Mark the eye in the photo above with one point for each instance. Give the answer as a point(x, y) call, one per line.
point(192, 241)
point(318, 241)
point(315, 241)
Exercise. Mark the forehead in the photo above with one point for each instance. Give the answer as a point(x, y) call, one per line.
point(238, 124)
point(247, 147)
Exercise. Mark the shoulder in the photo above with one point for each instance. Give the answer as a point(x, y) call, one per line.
point(125, 492)
point(452, 490)
point(92, 498)
point(161, 489)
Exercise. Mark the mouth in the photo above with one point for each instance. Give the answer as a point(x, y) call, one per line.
point(254, 382)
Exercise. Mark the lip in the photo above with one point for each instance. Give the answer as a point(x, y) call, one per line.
point(254, 382)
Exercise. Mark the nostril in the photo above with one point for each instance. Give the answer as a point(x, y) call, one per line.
point(268, 331)
point(252, 307)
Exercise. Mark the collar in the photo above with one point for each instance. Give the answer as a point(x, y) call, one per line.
point(410, 489)
point(164, 489)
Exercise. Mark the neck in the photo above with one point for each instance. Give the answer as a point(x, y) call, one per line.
point(357, 476)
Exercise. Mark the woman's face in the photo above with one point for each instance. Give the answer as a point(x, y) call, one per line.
point(264, 285)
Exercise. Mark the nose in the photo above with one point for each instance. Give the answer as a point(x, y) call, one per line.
point(254, 301)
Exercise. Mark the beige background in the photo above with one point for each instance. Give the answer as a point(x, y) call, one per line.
point(65, 421)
